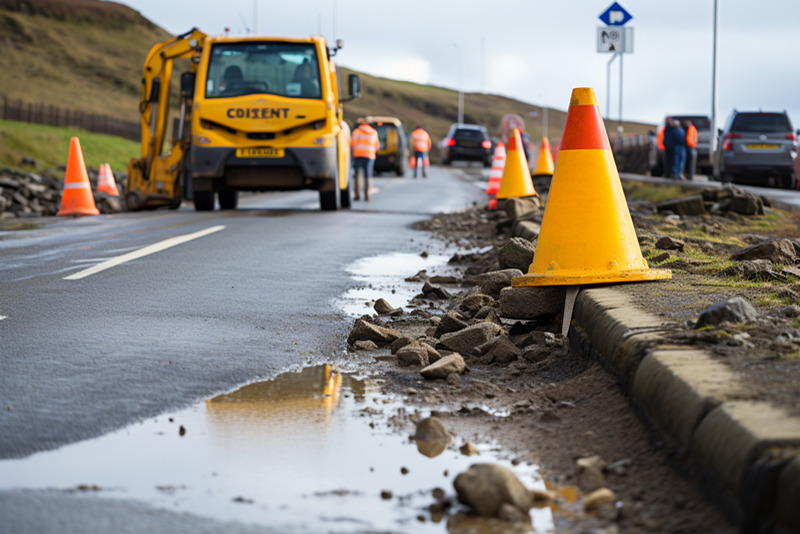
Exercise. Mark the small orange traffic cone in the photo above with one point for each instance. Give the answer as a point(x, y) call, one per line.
point(412, 162)
point(106, 182)
point(516, 181)
point(544, 165)
point(77, 198)
point(587, 234)
point(496, 174)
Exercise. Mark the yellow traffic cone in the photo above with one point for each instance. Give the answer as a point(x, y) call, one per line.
point(77, 197)
point(105, 181)
point(587, 235)
point(516, 181)
point(544, 165)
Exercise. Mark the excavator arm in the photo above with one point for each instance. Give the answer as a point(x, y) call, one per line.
point(154, 178)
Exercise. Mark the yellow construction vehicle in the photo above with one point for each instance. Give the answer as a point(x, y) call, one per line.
point(256, 114)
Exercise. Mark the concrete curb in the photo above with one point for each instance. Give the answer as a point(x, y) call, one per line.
point(748, 452)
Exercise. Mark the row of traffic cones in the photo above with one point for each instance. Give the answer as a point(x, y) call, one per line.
point(587, 234)
point(77, 197)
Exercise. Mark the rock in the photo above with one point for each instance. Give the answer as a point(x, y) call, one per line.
point(691, 205)
point(751, 270)
point(365, 345)
point(452, 363)
point(430, 291)
point(468, 449)
point(382, 307)
point(542, 496)
point(535, 353)
point(432, 437)
point(421, 276)
point(735, 310)
point(452, 321)
point(468, 338)
point(517, 208)
point(473, 303)
point(517, 253)
point(667, 243)
point(777, 251)
point(444, 280)
point(512, 514)
point(364, 331)
point(598, 498)
point(589, 472)
point(399, 343)
point(503, 351)
point(487, 487)
point(661, 257)
point(492, 282)
point(413, 355)
point(526, 229)
point(543, 302)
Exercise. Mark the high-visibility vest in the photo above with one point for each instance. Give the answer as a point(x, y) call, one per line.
point(364, 142)
point(691, 136)
point(660, 139)
point(420, 140)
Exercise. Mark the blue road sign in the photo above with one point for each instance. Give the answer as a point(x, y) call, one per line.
point(615, 15)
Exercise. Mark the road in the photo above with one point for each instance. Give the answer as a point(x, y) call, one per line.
point(250, 300)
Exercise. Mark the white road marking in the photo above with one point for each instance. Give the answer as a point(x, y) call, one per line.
point(3, 317)
point(146, 251)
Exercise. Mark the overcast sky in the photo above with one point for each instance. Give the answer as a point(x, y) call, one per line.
point(538, 50)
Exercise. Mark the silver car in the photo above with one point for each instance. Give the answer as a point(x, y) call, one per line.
point(757, 148)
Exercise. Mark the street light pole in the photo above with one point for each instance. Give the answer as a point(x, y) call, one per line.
point(714, 90)
point(460, 92)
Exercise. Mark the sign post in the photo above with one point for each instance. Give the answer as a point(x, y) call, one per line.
point(618, 40)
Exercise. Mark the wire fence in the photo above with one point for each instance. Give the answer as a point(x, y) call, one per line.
point(19, 110)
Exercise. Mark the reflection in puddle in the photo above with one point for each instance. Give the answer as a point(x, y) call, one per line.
point(291, 453)
point(383, 276)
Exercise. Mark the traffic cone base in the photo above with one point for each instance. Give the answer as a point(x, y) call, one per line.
point(587, 234)
point(516, 181)
point(77, 198)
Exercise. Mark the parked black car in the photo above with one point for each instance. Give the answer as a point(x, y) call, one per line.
point(757, 148)
point(467, 142)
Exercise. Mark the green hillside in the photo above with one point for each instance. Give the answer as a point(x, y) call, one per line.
point(87, 55)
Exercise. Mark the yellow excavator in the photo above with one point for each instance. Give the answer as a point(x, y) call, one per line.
point(256, 114)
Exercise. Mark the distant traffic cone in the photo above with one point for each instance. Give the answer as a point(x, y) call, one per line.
point(412, 162)
point(587, 235)
point(544, 165)
point(77, 198)
point(496, 174)
point(106, 182)
point(516, 181)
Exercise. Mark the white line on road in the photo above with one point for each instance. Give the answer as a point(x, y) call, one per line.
point(146, 251)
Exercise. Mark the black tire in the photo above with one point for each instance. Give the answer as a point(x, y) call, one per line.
point(204, 201)
point(344, 196)
point(329, 200)
point(789, 181)
point(228, 200)
point(487, 163)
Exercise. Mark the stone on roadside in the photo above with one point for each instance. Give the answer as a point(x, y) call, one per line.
point(430, 291)
point(473, 303)
point(452, 321)
point(382, 306)
point(431, 436)
point(470, 337)
point(777, 251)
point(365, 331)
point(468, 449)
point(517, 208)
point(365, 344)
point(452, 363)
point(540, 302)
point(735, 310)
point(503, 351)
point(492, 282)
point(412, 355)
point(589, 472)
point(598, 498)
point(517, 253)
point(691, 205)
point(751, 270)
point(487, 487)
point(526, 229)
point(668, 243)
point(399, 343)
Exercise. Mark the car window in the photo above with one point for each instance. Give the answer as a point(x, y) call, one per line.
point(761, 122)
point(700, 122)
point(469, 135)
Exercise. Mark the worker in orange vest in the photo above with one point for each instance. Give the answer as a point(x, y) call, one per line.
point(421, 142)
point(364, 142)
point(691, 148)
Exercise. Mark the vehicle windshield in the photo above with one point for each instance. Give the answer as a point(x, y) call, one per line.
point(761, 122)
point(699, 122)
point(285, 69)
point(387, 135)
point(469, 135)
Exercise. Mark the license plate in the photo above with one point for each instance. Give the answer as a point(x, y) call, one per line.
point(763, 146)
point(259, 152)
point(468, 143)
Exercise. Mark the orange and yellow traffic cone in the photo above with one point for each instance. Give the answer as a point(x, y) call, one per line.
point(516, 182)
point(106, 182)
point(77, 198)
point(587, 234)
point(544, 165)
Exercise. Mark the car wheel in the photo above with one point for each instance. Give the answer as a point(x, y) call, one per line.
point(204, 200)
point(228, 200)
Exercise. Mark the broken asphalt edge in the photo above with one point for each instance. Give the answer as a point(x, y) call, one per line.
point(745, 451)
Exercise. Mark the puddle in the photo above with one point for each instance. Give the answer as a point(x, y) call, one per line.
point(384, 276)
point(293, 453)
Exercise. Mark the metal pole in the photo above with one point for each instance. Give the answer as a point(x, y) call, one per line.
point(608, 84)
point(460, 92)
point(620, 88)
point(714, 89)
point(544, 122)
